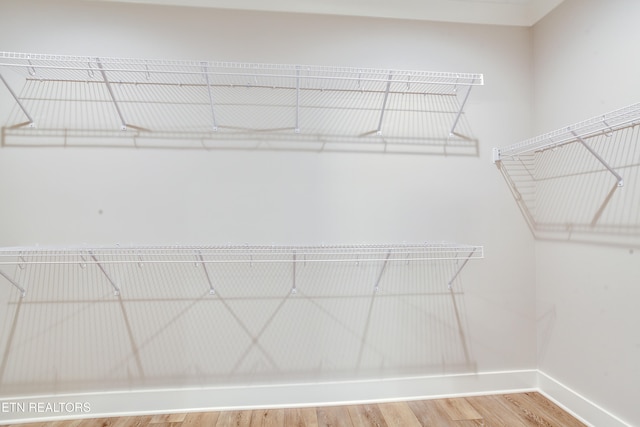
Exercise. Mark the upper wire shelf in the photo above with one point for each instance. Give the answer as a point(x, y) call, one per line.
point(141, 71)
point(80, 96)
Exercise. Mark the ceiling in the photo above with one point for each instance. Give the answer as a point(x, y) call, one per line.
point(494, 12)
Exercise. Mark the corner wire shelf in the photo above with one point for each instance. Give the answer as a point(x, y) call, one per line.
point(84, 96)
point(103, 257)
point(562, 179)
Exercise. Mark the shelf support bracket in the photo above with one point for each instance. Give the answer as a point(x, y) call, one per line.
point(23, 292)
point(297, 127)
point(212, 291)
point(116, 290)
point(459, 114)
point(384, 104)
point(384, 266)
point(123, 123)
point(455, 275)
point(294, 290)
point(600, 159)
point(214, 126)
point(30, 121)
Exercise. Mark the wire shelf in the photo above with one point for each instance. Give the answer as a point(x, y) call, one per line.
point(106, 260)
point(605, 124)
point(142, 98)
point(236, 253)
point(580, 182)
point(150, 71)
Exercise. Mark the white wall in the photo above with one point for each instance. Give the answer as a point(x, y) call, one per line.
point(55, 196)
point(587, 317)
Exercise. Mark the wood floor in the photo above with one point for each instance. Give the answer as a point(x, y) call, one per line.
point(507, 410)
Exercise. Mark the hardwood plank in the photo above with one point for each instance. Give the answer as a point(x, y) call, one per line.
point(367, 415)
point(556, 414)
point(495, 412)
point(301, 417)
point(429, 414)
point(132, 421)
point(69, 423)
point(168, 418)
point(398, 414)
point(267, 418)
point(458, 409)
point(234, 419)
point(95, 422)
point(196, 419)
point(333, 416)
point(529, 415)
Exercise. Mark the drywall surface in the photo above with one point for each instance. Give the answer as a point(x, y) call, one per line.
point(587, 323)
point(167, 331)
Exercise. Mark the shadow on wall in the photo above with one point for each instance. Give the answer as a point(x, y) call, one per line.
point(77, 117)
point(168, 328)
point(568, 194)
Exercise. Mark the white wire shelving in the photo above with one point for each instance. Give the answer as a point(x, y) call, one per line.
point(581, 179)
point(104, 258)
point(150, 100)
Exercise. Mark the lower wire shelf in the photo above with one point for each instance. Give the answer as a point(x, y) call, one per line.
point(106, 258)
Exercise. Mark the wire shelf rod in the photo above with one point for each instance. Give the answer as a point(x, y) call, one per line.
point(223, 85)
point(239, 261)
point(243, 254)
point(407, 81)
point(192, 63)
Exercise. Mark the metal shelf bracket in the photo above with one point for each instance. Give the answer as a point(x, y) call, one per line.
point(214, 126)
point(23, 292)
point(212, 291)
point(116, 289)
point(459, 114)
point(600, 159)
point(450, 283)
point(384, 104)
point(384, 266)
point(30, 121)
point(123, 123)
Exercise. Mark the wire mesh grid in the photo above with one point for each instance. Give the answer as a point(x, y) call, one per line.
point(72, 96)
point(245, 254)
point(605, 124)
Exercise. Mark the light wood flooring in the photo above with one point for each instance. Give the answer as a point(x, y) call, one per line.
point(507, 410)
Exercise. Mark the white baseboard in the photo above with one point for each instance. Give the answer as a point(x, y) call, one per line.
point(139, 402)
point(577, 405)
